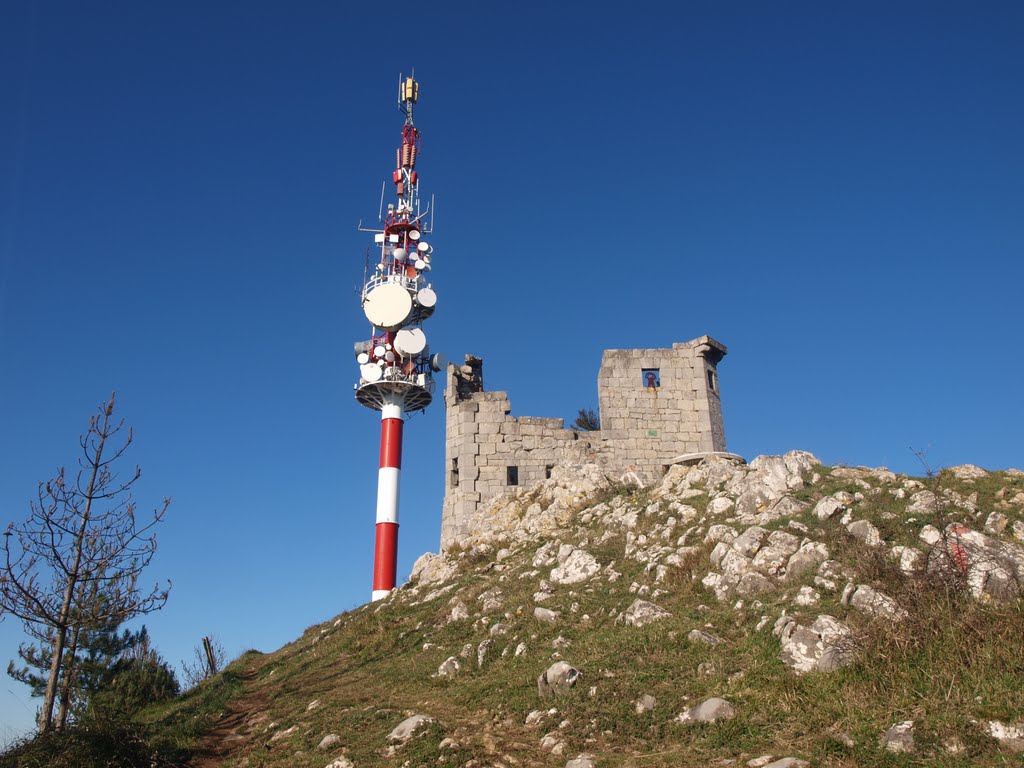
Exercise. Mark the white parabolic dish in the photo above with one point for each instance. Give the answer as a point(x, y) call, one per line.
point(388, 306)
point(426, 297)
point(370, 372)
point(410, 342)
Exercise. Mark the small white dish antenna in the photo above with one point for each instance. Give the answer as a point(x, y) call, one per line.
point(400, 254)
point(378, 351)
point(414, 234)
point(438, 362)
point(420, 264)
point(362, 358)
point(426, 298)
point(425, 248)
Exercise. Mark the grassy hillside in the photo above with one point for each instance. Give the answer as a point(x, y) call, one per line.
point(950, 659)
point(951, 664)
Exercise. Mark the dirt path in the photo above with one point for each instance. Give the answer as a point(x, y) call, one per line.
point(232, 732)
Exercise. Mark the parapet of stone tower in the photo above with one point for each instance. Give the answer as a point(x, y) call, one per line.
point(658, 407)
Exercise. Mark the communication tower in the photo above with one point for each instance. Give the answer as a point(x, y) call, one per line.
point(395, 365)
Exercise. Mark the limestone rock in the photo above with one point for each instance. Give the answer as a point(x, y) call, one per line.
point(827, 507)
point(753, 584)
point(576, 567)
point(866, 532)
point(641, 613)
point(708, 711)
point(720, 533)
point(341, 762)
point(285, 733)
point(449, 668)
point(821, 647)
point(482, 650)
point(749, 542)
point(801, 648)
point(581, 761)
point(993, 568)
point(406, 729)
point(922, 503)
point(546, 555)
point(967, 472)
point(491, 600)
point(788, 762)
point(557, 680)
point(546, 615)
point(700, 636)
point(807, 596)
point(329, 741)
point(459, 612)
point(720, 506)
point(806, 559)
point(875, 603)
point(771, 559)
point(910, 559)
point(899, 737)
point(552, 744)
point(431, 568)
point(1010, 737)
point(647, 703)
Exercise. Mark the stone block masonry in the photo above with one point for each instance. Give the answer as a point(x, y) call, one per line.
point(658, 407)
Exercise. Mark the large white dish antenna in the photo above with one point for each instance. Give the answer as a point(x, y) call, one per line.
point(426, 298)
point(370, 372)
point(401, 254)
point(388, 306)
point(410, 342)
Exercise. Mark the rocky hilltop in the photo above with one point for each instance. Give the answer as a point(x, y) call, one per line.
point(780, 613)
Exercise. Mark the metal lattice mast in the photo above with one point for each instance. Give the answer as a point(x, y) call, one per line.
point(395, 365)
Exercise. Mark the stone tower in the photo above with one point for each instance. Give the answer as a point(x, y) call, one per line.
point(658, 407)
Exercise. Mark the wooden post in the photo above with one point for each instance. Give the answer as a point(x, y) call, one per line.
point(211, 659)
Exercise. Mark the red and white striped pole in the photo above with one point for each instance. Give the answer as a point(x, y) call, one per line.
point(385, 557)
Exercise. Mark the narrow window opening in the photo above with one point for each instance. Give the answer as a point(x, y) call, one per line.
point(650, 377)
point(712, 381)
point(512, 475)
point(455, 473)
point(547, 471)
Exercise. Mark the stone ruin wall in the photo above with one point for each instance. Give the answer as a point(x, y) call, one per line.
point(644, 429)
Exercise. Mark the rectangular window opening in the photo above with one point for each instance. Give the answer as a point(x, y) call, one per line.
point(512, 475)
point(547, 471)
point(455, 473)
point(712, 381)
point(650, 377)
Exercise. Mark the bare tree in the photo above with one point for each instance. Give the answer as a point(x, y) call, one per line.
point(208, 660)
point(587, 420)
point(75, 563)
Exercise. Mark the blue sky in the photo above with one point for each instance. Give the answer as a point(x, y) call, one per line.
point(834, 192)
